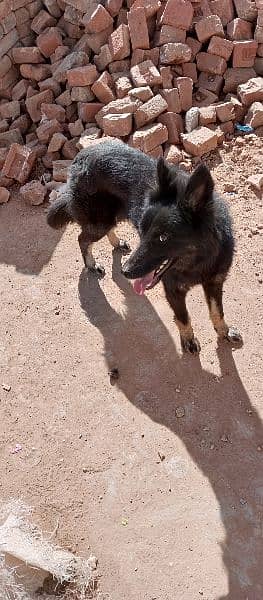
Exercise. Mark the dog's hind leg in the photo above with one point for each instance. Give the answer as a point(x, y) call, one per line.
point(214, 297)
point(86, 240)
point(116, 242)
point(176, 298)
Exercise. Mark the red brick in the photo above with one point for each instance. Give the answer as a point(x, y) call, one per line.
point(178, 13)
point(19, 163)
point(3, 154)
point(7, 82)
point(88, 111)
point(113, 7)
point(203, 97)
point(49, 41)
point(151, 6)
point(120, 66)
point(210, 63)
point(139, 55)
point(175, 54)
point(145, 74)
point(12, 136)
point(137, 24)
point(174, 124)
point(10, 110)
point(213, 83)
point(23, 123)
point(97, 20)
point(104, 57)
point(33, 104)
point(8, 42)
point(69, 149)
point(220, 47)
point(235, 77)
point(259, 34)
point(41, 21)
point(53, 8)
point(156, 152)
point(167, 77)
point(56, 142)
point(172, 98)
point(33, 192)
point(119, 43)
point(259, 66)
point(82, 76)
point(238, 29)
point(225, 112)
point(185, 88)
point(141, 93)
point(4, 195)
point(169, 34)
point(8, 23)
point(244, 53)
point(190, 70)
point(200, 141)
point(173, 154)
point(97, 40)
point(150, 110)
point(194, 45)
point(149, 137)
point(82, 94)
point(35, 72)
point(53, 111)
point(118, 125)
point(208, 27)
point(5, 66)
point(64, 99)
point(103, 88)
point(125, 105)
point(207, 115)
point(20, 89)
point(74, 59)
point(50, 84)
point(227, 127)
point(251, 91)
point(254, 117)
point(72, 15)
point(224, 9)
point(123, 86)
point(246, 10)
point(76, 128)
point(47, 128)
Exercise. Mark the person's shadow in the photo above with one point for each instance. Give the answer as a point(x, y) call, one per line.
point(140, 346)
point(25, 239)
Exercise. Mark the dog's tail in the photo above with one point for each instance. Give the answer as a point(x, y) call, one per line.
point(58, 213)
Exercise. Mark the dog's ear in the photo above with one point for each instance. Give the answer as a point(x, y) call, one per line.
point(166, 178)
point(199, 189)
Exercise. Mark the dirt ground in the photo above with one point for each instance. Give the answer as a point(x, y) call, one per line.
point(171, 505)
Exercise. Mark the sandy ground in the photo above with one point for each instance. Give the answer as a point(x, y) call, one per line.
point(171, 506)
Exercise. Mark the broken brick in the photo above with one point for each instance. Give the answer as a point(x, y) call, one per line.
point(103, 88)
point(173, 154)
point(172, 98)
point(19, 162)
point(49, 40)
point(235, 77)
point(87, 111)
point(185, 88)
point(137, 24)
point(238, 29)
point(145, 74)
point(208, 27)
point(254, 117)
point(30, 55)
point(150, 110)
point(98, 20)
point(82, 76)
point(225, 112)
point(175, 53)
point(209, 63)
point(174, 124)
point(149, 137)
point(33, 192)
point(119, 43)
point(178, 13)
point(251, 91)
point(244, 53)
point(200, 141)
point(33, 104)
point(118, 125)
point(10, 110)
point(47, 128)
point(220, 47)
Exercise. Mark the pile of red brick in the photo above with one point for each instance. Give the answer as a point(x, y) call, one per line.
point(166, 77)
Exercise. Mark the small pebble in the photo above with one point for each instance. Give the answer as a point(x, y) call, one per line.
point(180, 412)
point(6, 387)
point(85, 469)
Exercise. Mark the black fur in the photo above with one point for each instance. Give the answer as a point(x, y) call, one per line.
point(179, 218)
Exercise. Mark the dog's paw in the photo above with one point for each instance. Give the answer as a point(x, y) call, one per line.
point(123, 247)
point(190, 345)
point(97, 270)
point(234, 336)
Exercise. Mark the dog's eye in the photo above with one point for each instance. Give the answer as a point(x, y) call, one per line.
point(163, 237)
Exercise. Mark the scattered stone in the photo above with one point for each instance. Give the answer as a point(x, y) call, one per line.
point(256, 181)
point(33, 192)
point(4, 195)
point(180, 412)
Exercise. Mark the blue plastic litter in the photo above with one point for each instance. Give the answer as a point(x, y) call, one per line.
point(244, 128)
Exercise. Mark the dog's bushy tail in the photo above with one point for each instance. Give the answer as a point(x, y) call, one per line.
point(58, 214)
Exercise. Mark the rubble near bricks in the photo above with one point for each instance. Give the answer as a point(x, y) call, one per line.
point(169, 77)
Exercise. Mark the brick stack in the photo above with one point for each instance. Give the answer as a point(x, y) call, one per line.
point(168, 77)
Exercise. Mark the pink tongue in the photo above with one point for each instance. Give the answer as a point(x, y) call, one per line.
point(141, 284)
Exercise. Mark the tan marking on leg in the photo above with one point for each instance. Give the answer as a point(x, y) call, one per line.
point(113, 238)
point(186, 331)
point(219, 323)
point(90, 260)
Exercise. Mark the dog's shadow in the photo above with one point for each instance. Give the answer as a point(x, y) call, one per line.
point(142, 349)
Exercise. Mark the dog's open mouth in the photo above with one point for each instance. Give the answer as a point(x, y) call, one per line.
point(151, 279)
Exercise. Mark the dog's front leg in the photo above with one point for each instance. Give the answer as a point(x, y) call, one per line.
point(214, 296)
point(176, 297)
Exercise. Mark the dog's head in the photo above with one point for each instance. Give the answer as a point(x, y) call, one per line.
point(171, 224)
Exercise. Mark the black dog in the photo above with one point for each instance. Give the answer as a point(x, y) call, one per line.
point(185, 228)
